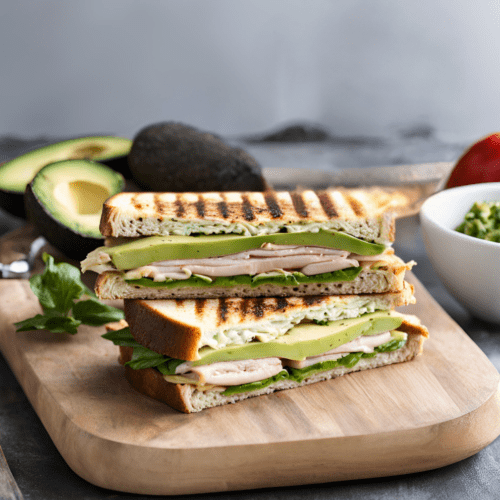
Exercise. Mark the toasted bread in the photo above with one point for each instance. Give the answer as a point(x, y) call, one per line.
point(360, 213)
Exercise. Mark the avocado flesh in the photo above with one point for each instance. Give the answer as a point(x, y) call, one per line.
point(74, 191)
point(17, 173)
point(64, 201)
point(305, 340)
point(158, 248)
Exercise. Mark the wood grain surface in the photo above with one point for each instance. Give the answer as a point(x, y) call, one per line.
point(8, 486)
point(430, 412)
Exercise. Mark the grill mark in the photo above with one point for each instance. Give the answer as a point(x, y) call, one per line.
point(356, 206)
point(179, 302)
point(243, 310)
point(281, 303)
point(327, 205)
point(222, 311)
point(159, 205)
point(247, 208)
point(180, 209)
point(223, 209)
point(299, 205)
point(200, 206)
point(199, 306)
point(135, 202)
point(273, 205)
point(258, 308)
point(311, 300)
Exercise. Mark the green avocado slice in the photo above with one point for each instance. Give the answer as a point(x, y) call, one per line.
point(305, 340)
point(157, 248)
point(17, 173)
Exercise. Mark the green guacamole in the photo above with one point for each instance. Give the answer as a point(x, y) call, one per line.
point(482, 221)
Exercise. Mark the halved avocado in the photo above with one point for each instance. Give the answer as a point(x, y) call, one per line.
point(17, 173)
point(64, 201)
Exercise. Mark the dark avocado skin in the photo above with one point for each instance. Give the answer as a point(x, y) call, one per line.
point(74, 245)
point(13, 201)
point(119, 164)
point(173, 157)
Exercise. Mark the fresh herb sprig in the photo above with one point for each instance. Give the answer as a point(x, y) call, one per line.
point(58, 289)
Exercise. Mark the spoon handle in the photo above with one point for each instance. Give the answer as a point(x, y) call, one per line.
point(8, 486)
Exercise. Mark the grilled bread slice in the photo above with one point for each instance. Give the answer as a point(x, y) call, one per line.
point(365, 214)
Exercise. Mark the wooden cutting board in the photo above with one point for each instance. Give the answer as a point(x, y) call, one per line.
point(430, 412)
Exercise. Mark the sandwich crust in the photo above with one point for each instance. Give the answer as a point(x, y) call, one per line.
point(188, 399)
point(152, 384)
point(160, 333)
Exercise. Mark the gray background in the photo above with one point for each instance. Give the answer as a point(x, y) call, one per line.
point(237, 67)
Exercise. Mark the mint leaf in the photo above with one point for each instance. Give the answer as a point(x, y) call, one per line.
point(58, 286)
point(94, 313)
point(57, 289)
point(55, 324)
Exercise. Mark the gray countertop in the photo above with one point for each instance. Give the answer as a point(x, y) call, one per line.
point(42, 474)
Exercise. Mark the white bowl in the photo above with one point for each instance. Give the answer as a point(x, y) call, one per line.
point(468, 267)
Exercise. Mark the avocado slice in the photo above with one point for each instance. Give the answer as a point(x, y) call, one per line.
point(17, 173)
point(307, 339)
point(157, 248)
point(65, 200)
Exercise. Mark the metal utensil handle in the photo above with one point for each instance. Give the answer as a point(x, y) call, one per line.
point(8, 486)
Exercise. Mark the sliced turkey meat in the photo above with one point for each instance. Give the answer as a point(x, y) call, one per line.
point(308, 260)
point(365, 343)
point(232, 372)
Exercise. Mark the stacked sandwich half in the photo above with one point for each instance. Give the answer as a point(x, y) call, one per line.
point(234, 295)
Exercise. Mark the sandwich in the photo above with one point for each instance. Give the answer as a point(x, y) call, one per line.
point(209, 245)
point(200, 353)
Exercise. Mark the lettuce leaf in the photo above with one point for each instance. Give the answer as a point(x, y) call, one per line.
point(292, 279)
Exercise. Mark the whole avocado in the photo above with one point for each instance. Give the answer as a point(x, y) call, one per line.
point(173, 157)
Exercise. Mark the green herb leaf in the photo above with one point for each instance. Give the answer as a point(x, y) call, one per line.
point(145, 358)
point(58, 286)
point(55, 324)
point(57, 289)
point(121, 337)
point(94, 313)
point(322, 322)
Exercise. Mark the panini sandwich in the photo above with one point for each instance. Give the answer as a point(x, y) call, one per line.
point(209, 245)
point(197, 354)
